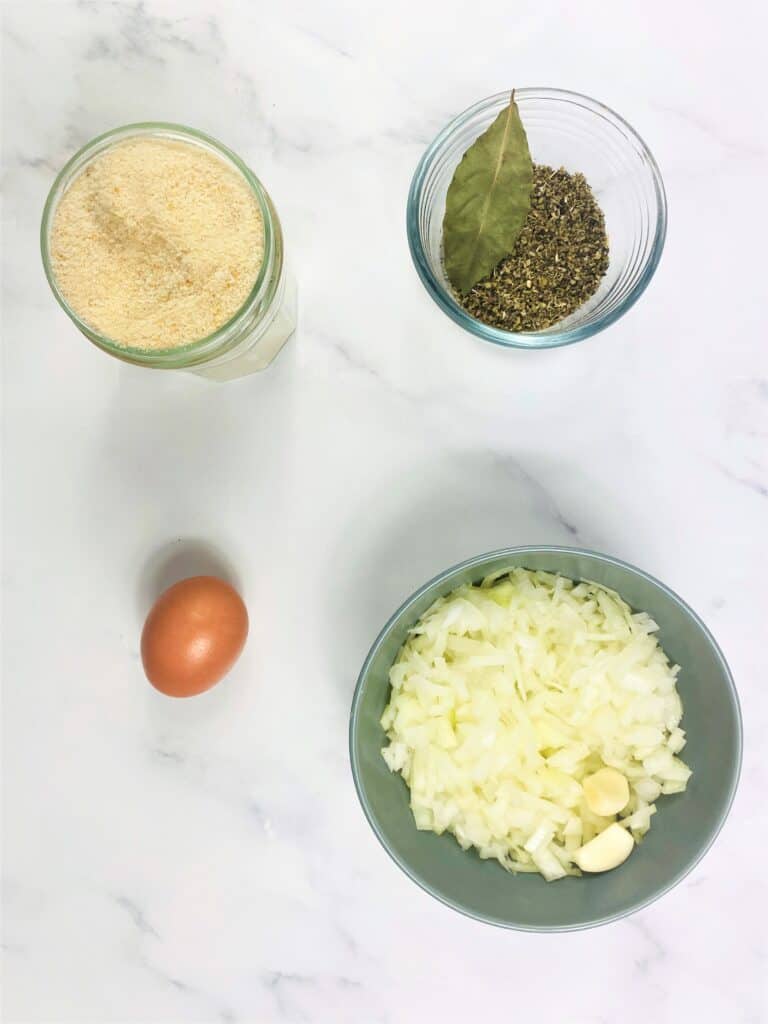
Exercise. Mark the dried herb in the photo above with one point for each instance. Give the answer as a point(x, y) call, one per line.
point(556, 264)
point(487, 201)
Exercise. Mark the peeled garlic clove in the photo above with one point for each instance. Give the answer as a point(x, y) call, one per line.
point(606, 792)
point(606, 851)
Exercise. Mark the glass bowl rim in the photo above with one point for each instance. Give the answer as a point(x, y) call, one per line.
point(180, 355)
point(533, 339)
point(442, 577)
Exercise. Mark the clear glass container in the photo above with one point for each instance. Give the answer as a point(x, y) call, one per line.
point(251, 339)
point(566, 130)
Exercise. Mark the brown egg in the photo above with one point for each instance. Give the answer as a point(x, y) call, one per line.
point(193, 636)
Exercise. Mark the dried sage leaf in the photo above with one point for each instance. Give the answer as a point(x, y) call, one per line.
point(488, 200)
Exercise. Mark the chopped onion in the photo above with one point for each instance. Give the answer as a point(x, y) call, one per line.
point(508, 694)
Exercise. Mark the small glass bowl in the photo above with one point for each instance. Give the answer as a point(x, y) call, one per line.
point(564, 130)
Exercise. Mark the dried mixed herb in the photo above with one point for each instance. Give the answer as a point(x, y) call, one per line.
point(524, 245)
point(556, 264)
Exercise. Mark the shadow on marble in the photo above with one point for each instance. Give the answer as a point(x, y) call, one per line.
point(177, 560)
point(188, 458)
point(457, 507)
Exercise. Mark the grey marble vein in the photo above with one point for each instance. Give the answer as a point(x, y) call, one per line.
point(136, 915)
point(752, 484)
point(142, 36)
point(719, 132)
point(656, 953)
point(545, 498)
point(324, 42)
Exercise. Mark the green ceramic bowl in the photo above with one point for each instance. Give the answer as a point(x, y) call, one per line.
point(684, 827)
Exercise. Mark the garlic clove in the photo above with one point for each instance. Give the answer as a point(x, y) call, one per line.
point(606, 792)
point(606, 851)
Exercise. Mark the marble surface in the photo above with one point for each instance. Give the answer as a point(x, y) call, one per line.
point(208, 861)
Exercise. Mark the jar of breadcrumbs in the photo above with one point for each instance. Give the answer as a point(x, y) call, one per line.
point(166, 251)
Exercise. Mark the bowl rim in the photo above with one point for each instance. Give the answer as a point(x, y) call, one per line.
point(543, 549)
point(534, 339)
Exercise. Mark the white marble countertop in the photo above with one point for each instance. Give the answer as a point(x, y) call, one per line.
point(207, 860)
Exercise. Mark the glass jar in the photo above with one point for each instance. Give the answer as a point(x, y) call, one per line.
point(251, 339)
point(566, 130)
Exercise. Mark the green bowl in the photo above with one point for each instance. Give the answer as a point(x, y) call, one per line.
point(684, 827)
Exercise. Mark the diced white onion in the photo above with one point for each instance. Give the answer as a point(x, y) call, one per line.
point(506, 695)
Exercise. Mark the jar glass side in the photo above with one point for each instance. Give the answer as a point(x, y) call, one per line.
point(258, 349)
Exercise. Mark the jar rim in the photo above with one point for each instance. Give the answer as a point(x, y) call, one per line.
point(548, 338)
point(217, 342)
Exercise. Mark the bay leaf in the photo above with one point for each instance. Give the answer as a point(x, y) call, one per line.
point(488, 200)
